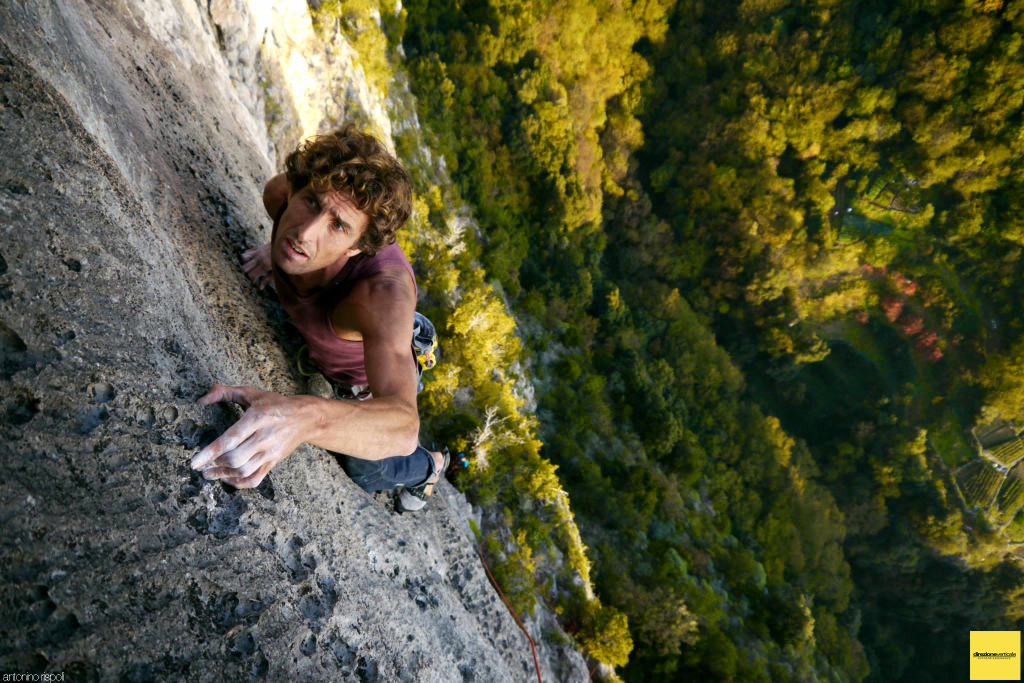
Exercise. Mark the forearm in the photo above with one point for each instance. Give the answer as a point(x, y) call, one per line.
point(372, 429)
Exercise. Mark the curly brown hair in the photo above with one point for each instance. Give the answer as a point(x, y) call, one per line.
point(356, 164)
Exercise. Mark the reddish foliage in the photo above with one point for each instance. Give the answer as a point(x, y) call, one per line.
point(926, 344)
point(926, 340)
point(892, 307)
point(911, 325)
point(903, 284)
point(861, 317)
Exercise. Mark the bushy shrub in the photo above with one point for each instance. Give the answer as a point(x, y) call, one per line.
point(604, 634)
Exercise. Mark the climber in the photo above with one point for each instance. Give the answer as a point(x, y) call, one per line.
point(349, 288)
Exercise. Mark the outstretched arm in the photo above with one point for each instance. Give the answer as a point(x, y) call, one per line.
point(274, 425)
point(387, 425)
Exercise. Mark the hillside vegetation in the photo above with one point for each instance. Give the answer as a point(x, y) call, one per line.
point(765, 261)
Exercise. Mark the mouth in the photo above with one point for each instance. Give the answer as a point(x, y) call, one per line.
point(294, 250)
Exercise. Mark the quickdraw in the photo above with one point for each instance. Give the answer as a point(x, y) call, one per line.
point(424, 342)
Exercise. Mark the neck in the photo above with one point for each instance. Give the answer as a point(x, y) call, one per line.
point(308, 283)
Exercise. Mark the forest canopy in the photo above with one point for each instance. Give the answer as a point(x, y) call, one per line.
point(763, 259)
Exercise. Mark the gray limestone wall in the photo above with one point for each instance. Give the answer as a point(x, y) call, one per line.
point(130, 184)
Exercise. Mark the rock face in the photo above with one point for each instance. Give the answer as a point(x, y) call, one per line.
point(285, 74)
point(130, 184)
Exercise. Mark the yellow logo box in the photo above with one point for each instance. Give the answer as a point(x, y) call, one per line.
point(995, 655)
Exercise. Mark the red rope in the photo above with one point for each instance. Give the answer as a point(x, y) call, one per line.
point(479, 551)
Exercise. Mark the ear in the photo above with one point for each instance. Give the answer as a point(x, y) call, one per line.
point(352, 252)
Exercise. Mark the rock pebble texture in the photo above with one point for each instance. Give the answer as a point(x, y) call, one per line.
point(129, 186)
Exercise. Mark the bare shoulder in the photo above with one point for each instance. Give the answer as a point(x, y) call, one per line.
point(275, 194)
point(381, 305)
point(384, 304)
point(391, 285)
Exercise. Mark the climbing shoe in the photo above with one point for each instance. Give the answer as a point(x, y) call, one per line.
point(413, 498)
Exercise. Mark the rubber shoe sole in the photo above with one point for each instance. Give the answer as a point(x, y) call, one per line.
point(409, 503)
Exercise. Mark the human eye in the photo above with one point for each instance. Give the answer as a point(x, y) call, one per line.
point(311, 201)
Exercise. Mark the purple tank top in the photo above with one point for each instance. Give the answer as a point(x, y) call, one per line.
point(338, 359)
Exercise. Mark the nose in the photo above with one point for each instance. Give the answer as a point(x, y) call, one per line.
point(307, 232)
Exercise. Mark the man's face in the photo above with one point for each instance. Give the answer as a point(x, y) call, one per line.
point(316, 230)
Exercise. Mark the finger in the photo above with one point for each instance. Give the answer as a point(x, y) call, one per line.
point(231, 439)
point(255, 265)
point(253, 480)
point(212, 473)
point(237, 457)
point(214, 395)
point(248, 467)
point(227, 473)
point(219, 392)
